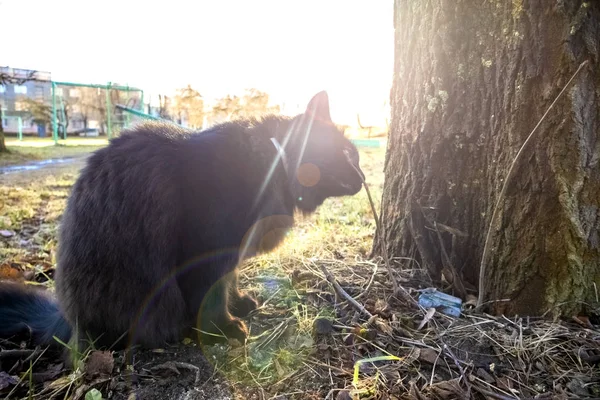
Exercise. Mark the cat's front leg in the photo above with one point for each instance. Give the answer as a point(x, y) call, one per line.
point(240, 304)
point(214, 318)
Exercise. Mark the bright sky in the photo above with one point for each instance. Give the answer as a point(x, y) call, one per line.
point(289, 48)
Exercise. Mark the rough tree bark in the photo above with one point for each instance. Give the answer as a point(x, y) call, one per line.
point(472, 79)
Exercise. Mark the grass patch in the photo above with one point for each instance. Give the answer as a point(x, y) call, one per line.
point(42, 149)
point(287, 281)
point(305, 342)
point(294, 294)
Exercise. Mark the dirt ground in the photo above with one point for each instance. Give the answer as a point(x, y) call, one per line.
point(306, 341)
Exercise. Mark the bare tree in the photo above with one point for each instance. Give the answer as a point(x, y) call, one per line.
point(164, 105)
point(253, 103)
point(91, 105)
point(40, 112)
point(226, 108)
point(5, 79)
point(188, 104)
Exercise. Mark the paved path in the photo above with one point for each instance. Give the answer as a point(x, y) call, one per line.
point(30, 171)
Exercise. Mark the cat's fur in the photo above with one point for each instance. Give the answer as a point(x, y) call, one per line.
point(158, 221)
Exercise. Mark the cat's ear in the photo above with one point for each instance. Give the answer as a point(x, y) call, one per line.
point(318, 107)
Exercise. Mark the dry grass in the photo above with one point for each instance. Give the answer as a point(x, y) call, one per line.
point(308, 343)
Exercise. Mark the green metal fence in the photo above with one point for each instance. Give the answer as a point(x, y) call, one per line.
point(92, 107)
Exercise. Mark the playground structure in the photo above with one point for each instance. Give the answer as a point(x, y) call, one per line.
point(89, 104)
point(30, 102)
point(19, 124)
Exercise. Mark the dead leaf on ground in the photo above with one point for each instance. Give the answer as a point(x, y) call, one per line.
point(447, 389)
point(428, 355)
point(583, 321)
point(99, 364)
point(471, 301)
point(427, 318)
point(7, 380)
point(8, 272)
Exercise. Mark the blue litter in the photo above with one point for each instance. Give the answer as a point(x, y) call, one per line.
point(442, 302)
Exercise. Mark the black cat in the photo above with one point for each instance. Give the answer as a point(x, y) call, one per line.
point(158, 221)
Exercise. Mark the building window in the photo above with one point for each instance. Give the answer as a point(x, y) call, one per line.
point(2, 88)
point(74, 93)
point(39, 92)
point(58, 91)
point(20, 89)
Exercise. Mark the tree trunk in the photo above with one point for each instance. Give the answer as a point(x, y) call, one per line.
point(3, 148)
point(472, 79)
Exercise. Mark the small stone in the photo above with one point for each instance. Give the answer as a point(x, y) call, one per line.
point(343, 395)
point(322, 326)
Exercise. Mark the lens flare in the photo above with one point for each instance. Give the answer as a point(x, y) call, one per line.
point(308, 174)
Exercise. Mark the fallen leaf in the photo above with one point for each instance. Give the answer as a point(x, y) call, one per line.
point(60, 383)
point(583, 321)
point(589, 355)
point(429, 356)
point(7, 380)
point(343, 395)
point(427, 318)
point(447, 389)
point(486, 376)
point(99, 364)
point(471, 301)
point(166, 369)
point(93, 394)
point(9, 273)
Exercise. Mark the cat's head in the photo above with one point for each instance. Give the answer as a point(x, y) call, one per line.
point(324, 163)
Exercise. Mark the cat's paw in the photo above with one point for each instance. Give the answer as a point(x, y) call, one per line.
point(243, 306)
point(235, 329)
point(232, 328)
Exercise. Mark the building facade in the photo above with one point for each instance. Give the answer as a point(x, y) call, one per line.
point(18, 90)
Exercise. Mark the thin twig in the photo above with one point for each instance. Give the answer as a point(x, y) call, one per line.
point(486, 248)
point(492, 394)
point(368, 287)
point(17, 353)
point(457, 283)
point(460, 368)
point(331, 279)
point(379, 234)
point(174, 366)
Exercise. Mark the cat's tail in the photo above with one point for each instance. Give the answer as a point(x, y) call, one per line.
point(32, 312)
